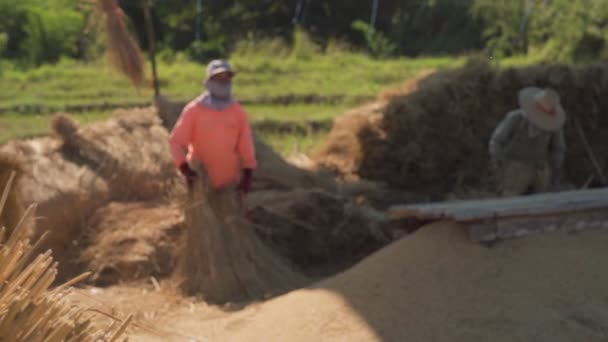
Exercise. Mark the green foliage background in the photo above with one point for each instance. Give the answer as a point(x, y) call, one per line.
point(33, 32)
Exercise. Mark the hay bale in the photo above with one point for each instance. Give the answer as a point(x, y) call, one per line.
point(30, 310)
point(130, 241)
point(434, 140)
point(223, 259)
point(129, 151)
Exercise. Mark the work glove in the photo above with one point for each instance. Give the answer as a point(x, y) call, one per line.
point(188, 173)
point(246, 180)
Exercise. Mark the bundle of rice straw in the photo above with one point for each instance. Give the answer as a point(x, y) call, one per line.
point(122, 49)
point(13, 208)
point(223, 259)
point(29, 311)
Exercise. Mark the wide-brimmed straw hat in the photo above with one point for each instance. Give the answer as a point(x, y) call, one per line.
point(218, 66)
point(542, 108)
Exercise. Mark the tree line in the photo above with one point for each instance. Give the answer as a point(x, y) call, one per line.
point(42, 31)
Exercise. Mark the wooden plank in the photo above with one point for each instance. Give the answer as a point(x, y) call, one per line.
point(541, 204)
point(554, 199)
point(509, 228)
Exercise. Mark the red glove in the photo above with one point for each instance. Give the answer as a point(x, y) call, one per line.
point(188, 173)
point(246, 180)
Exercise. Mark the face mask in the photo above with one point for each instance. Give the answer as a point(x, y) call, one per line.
point(219, 90)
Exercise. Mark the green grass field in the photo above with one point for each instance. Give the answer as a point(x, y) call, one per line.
point(348, 77)
point(282, 94)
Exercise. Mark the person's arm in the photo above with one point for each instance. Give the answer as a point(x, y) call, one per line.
point(502, 134)
point(181, 136)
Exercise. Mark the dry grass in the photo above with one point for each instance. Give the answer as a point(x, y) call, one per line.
point(343, 150)
point(315, 228)
point(223, 259)
point(122, 49)
point(131, 241)
point(407, 87)
point(66, 193)
point(129, 151)
point(29, 310)
point(14, 209)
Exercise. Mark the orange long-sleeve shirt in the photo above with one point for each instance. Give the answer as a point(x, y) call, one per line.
point(220, 140)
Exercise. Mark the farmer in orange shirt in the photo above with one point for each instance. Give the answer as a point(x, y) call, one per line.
point(215, 131)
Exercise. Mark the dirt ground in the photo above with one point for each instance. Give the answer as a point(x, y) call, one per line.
point(434, 285)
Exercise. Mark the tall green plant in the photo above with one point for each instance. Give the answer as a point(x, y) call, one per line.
point(501, 21)
point(378, 44)
point(571, 30)
point(303, 46)
point(51, 34)
point(565, 30)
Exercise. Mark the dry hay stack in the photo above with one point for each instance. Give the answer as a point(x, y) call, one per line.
point(130, 241)
point(13, 208)
point(66, 194)
point(315, 228)
point(435, 140)
point(407, 87)
point(29, 310)
point(168, 111)
point(129, 151)
point(274, 172)
point(223, 259)
point(436, 285)
point(343, 151)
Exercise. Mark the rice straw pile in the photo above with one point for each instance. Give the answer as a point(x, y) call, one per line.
point(13, 207)
point(223, 259)
point(434, 140)
point(29, 311)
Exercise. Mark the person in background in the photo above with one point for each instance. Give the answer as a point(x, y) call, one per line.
point(528, 145)
point(214, 130)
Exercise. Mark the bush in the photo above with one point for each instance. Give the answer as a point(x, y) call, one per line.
point(378, 45)
point(303, 46)
point(3, 42)
point(267, 47)
point(564, 30)
point(51, 34)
